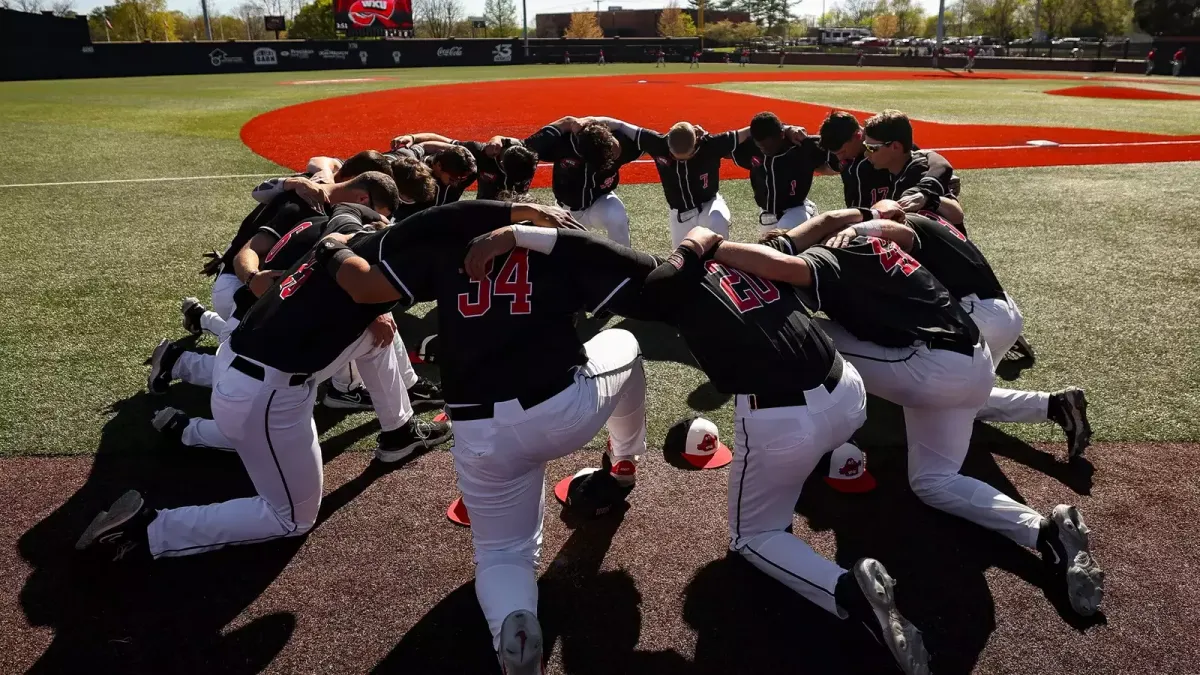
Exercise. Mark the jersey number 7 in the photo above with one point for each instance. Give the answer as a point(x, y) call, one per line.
point(513, 281)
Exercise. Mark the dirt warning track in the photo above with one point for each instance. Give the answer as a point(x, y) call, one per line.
point(344, 125)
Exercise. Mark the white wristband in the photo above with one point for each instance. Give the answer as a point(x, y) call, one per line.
point(540, 239)
point(871, 229)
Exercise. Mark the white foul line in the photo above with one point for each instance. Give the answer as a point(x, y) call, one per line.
point(1135, 144)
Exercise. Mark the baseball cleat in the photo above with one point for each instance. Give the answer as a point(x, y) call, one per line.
point(397, 444)
point(170, 422)
point(1063, 542)
point(1069, 409)
point(192, 311)
point(520, 650)
point(426, 391)
point(162, 361)
point(623, 470)
point(902, 638)
point(121, 529)
point(356, 399)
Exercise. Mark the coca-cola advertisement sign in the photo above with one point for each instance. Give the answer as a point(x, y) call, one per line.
point(372, 17)
point(444, 52)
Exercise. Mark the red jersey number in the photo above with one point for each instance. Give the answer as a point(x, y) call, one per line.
point(704, 180)
point(513, 281)
point(295, 280)
point(892, 256)
point(879, 194)
point(284, 240)
point(944, 223)
point(746, 291)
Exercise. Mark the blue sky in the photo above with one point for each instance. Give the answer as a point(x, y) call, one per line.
point(475, 7)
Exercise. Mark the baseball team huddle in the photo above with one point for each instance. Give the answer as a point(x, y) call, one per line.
point(887, 296)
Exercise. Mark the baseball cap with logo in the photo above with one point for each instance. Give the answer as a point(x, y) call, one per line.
point(701, 444)
point(848, 470)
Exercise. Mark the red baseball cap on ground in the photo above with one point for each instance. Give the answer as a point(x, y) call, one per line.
point(702, 446)
point(457, 513)
point(848, 470)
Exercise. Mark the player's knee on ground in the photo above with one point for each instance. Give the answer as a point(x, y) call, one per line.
point(930, 487)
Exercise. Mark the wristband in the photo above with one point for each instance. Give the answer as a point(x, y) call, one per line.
point(534, 238)
point(868, 214)
point(871, 229)
point(331, 254)
point(250, 277)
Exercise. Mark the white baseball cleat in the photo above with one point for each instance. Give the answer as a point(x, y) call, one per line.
point(902, 638)
point(520, 644)
point(1065, 546)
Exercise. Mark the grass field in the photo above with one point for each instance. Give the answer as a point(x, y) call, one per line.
point(93, 277)
point(113, 188)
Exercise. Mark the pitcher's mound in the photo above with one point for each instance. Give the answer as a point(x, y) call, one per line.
point(1131, 93)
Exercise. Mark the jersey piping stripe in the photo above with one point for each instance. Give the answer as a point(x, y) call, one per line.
point(271, 447)
point(785, 571)
point(737, 528)
point(395, 277)
point(222, 544)
point(269, 230)
point(858, 179)
point(900, 175)
point(610, 295)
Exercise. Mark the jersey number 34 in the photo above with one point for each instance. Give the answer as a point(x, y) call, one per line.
point(513, 281)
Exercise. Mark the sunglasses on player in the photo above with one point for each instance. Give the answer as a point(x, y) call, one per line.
point(872, 148)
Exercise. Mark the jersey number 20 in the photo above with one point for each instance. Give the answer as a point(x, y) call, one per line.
point(513, 281)
point(745, 290)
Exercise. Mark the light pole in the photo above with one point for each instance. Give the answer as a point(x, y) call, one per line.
point(207, 25)
point(941, 28)
point(525, 26)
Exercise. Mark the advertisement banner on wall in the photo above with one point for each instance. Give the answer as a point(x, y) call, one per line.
point(372, 17)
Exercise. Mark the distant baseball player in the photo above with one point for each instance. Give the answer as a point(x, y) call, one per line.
point(661, 58)
point(695, 60)
point(862, 58)
point(1178, 61)
point(587, 169)
point(521, 388)
point(567, 57)
point(508, 169)
point(601, 61)
point(452, 166)
point(689, 166)
point(796, 399)
point(1150, 61)
point(745, 58)
point(970, 67)
point(781, 161)
point(304, 327)
point(782, 56)
point(918, 179)
point(916, 347)
point(962, 268)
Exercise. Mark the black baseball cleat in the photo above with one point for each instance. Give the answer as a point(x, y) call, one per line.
point(867, 594)
point(119, 532)
point(1021, 352)
point(170, 422)
point(162, 361)
point(397, 444)
point(356, 399)
point(192, 311)
point(1063, 543)
point(1069, 409)
point(427, 392)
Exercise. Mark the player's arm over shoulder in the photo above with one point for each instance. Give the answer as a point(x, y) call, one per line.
point(767, 261)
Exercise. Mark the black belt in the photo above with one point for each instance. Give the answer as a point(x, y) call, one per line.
point(485, 411)
point(256, 371)
point(950, 345)
point(990, 295)
point(760, 401)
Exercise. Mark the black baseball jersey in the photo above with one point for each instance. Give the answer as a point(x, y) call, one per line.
point(492, 179)
point(782, 181)
point(286, 203)
point(446, 194)
point(881, 294)
point(693, 182)
point(926, 171)
point(952, 258)
point(578, 185)
point(749, 335)
point(504, 336)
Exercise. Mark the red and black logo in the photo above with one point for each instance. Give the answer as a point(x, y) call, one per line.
point(364, 13)
point(707, 444)
point(851, 468)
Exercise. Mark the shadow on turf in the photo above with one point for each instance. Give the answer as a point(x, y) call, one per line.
point(170, 615)
point(594, 615)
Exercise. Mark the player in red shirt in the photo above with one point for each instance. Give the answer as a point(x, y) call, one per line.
point(601, 57)
point(1150, 61)
point(1178, 62)
point(970, 59)
point(695, 60)
point(745, 56)
point(662, 59)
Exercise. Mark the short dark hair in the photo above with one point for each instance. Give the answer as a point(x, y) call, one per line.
point(413, 179)
point(367, 160)
point(519, 164)
point(765, 125)
point(456, 161)
point(837, 130)
point(595, 145)
point(772, 235)
point(890, 126)
point(380, 187)
point(681, 138)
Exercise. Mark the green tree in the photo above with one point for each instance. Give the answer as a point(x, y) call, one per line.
point(674, 22)
point(746, 30)
point(861, 12)
point(583, 25)
point(314, 22)
point(910, 17)
point(998, 18)
point(885, 26)
point(501, 17)
point(720, 32)
point(1168, 17)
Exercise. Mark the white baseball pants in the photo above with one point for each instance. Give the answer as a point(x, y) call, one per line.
point(1000, 323)
point(202, 432)
point(607, 213)
point(501, 465)
point(777, 449)
point(792, 217)
point(224, 286)
point(941, 392)
point(270, 425)
point(713, 214)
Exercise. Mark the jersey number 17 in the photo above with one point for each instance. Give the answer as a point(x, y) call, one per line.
point(513, 281)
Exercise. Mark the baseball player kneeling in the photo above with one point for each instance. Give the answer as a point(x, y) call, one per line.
point(916, 347)
point(781, 161)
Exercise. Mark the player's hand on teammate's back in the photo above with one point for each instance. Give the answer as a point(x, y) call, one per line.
point(340, 237)
point(484, 248)
point(310, 193)
point(263, 280)
point(383, 330)
point(550, 216)
point(842, 239)
point(912, 203)
point(402, 141)
point(795, 134)
point(704, 238)
point(892, 210)
point(494, 146)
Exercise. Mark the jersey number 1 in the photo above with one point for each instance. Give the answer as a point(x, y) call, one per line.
point(513, 281)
